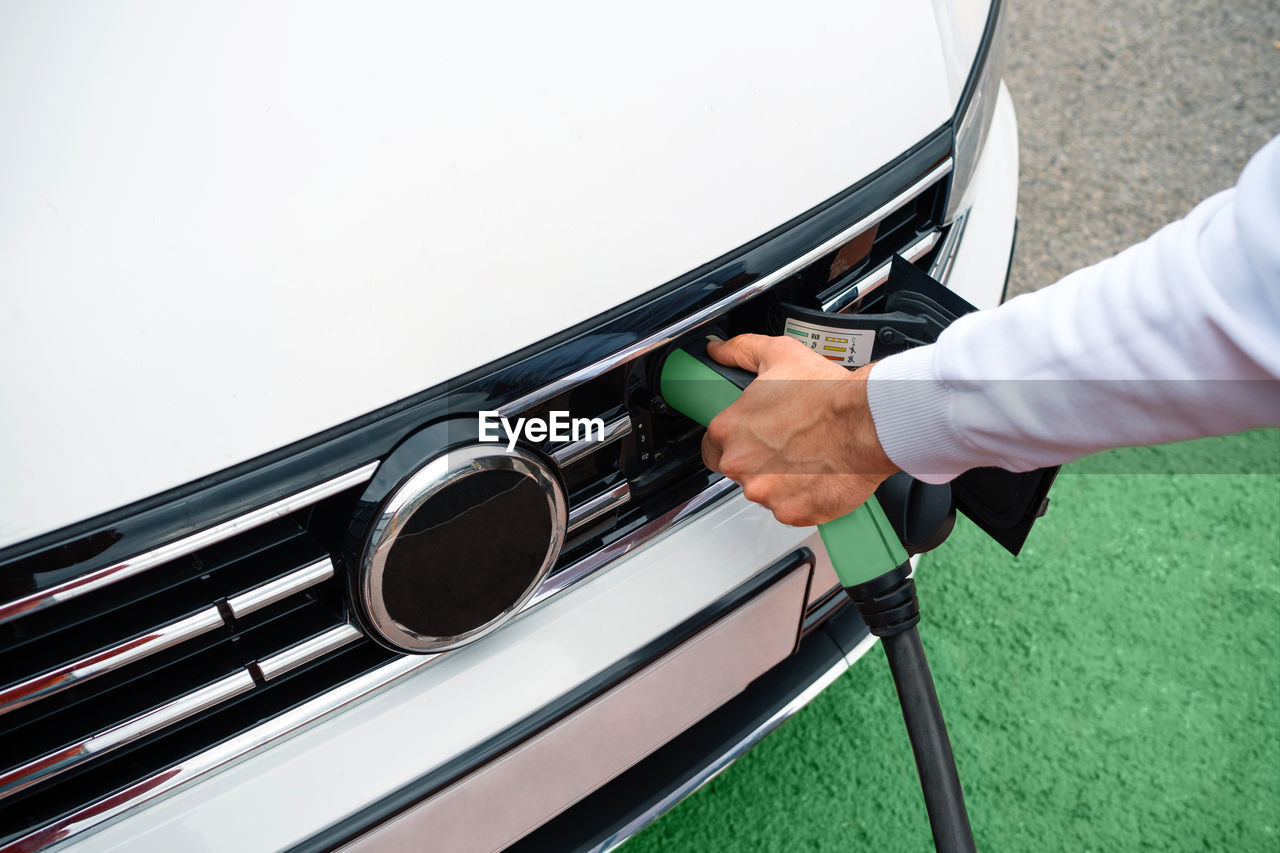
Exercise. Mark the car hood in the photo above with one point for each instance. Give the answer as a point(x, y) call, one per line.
point(226, 230)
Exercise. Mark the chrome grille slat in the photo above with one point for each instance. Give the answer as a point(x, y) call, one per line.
point(592, 563)
point(182, 547)
point(60, 761)
point(940, 269)
point(279, 589)
point(597, 506)
point(305, 652)
point(54, 681)
point(579, 450)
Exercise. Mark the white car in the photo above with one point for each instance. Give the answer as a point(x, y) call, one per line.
point(262, 586)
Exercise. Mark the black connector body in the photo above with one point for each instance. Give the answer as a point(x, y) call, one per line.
point(922, 514)
point(888, 604)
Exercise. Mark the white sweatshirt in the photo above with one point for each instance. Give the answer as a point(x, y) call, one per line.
point(1174, 338)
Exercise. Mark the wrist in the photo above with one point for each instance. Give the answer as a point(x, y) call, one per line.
point(867, 455)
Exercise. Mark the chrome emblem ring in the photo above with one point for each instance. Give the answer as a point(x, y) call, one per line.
point(459, 547)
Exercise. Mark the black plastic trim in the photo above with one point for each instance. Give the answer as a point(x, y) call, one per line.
point(413, 793)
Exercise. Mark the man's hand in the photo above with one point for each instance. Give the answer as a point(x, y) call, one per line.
point(800, 439)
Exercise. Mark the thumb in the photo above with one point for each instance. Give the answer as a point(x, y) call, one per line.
point(745, 351)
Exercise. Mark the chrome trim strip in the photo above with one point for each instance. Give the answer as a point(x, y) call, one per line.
point(280, 588)
point(305, 652)
point(663, 336)
point(321, 707)
point(739, 749)
point(182, 547)
point(941, 267)
point(571, 453)
point(55, 763)
point(106, 660)
point(878, 276)
point(598, 506)
point(594, 562)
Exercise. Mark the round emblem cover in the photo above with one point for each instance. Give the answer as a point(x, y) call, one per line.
point(456, 550)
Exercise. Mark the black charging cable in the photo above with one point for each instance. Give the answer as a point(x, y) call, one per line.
point(889, 606)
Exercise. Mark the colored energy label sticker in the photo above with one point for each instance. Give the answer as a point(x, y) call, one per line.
point(852, 348)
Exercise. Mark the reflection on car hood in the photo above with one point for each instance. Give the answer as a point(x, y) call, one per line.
point(219, 236)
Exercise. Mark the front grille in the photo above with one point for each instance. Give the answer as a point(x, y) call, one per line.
point(116, 673)
point(146, 667)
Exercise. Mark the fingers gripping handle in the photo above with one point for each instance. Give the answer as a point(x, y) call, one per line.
point(862, 544)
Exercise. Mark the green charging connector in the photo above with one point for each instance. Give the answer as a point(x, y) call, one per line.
point(862, 545)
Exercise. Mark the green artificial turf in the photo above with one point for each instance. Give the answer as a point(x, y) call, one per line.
point(1117, 687)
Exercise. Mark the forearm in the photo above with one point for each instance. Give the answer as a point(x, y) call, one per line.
point(1172, 339)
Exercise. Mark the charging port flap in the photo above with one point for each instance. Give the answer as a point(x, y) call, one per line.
point(1002, 503)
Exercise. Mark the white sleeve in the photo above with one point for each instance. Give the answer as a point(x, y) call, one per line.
point(1174, 338)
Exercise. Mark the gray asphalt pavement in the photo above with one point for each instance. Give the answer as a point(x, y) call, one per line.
point(1129, 114)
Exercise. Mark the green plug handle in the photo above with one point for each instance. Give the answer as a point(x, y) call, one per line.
point(862, 544)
